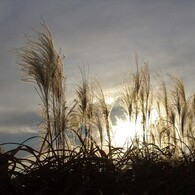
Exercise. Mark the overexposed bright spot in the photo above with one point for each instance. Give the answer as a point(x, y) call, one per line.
point(110, 100)
point(154, 116)
point(126, 130)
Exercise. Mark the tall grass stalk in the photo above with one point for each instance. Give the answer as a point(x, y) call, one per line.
point(104, 112)
point(43, 66)
point(85, 111)
point(136, 97)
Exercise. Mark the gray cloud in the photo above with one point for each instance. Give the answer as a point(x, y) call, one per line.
point(18, 137)
point(19, 118)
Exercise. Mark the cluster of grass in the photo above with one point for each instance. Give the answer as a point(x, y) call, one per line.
point(77, 155)
point(132, 172)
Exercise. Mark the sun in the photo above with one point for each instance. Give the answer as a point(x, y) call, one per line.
point(125, 130)
point(110, 100)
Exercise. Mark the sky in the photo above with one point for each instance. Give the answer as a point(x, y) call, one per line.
point(103, 35)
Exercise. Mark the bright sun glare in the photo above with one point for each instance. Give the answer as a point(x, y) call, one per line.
point(125, 130)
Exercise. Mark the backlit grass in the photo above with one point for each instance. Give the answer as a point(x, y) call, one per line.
point(77, 154)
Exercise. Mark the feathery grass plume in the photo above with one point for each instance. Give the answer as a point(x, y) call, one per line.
point(84, 111)
point(128, 97)
point(136, 97)
point(190, 134)
point(99, 121)
point(166, 127)
point(43, 66)
point(177, 114)
point(181, 107)
point(136, 82)
point(145, 100)
point(104, 112)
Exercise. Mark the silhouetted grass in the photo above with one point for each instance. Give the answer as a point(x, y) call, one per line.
point(134, 172)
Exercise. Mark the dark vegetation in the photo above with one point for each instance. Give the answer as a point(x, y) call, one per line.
point(76, 155)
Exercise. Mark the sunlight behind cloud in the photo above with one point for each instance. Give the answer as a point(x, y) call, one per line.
point(125, 130)
point(110, 100)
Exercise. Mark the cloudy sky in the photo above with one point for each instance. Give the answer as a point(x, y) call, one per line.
point(103, 34)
